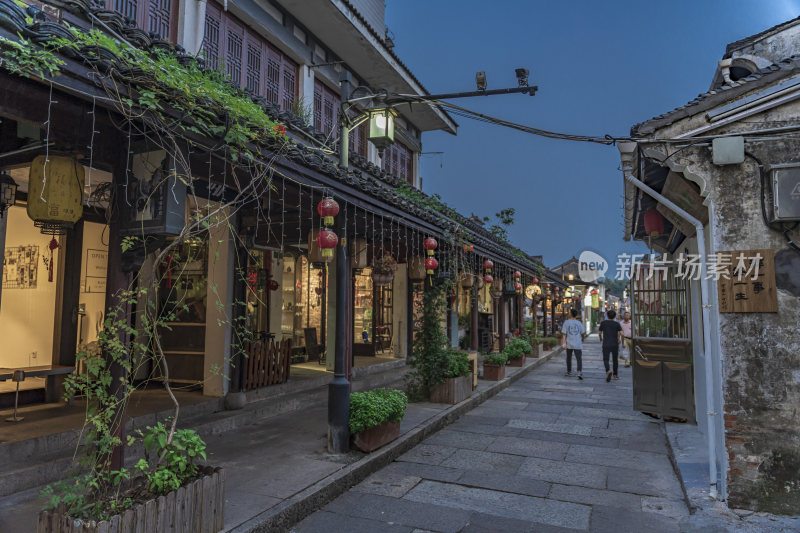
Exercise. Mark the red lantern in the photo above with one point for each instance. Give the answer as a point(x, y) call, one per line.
point(518, 287)
point(653, 223)
point(327, 241)
point(487, 265)
point(535, 281)
point(327, 209)
point(273, 285)
point(430, 244)
point(431, 264)
point(593, 292)
point(488, 279)
point(517, 274)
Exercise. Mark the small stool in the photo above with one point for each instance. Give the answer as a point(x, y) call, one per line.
point(18, 375)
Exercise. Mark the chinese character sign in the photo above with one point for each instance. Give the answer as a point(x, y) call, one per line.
point(746, 284)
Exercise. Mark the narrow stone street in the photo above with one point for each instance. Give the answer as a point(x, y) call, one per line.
point(549, 453)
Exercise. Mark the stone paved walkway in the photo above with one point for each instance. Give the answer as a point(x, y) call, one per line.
point(549, 453)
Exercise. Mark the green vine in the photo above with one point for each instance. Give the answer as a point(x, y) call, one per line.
point(25, 58)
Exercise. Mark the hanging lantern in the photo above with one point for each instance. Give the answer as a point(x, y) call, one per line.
point(327, 241)
point(518, 287)
point(274, 285)
point(535, 281)
point(653, 224)
point(469, 248)
point(487, 265)
point(55, 193)
point(430, 245)
point(327, 209)
point(517, 275)
point(431, 264)
point(488, 279)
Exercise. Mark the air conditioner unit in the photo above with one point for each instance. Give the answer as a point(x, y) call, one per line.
point(784, 181)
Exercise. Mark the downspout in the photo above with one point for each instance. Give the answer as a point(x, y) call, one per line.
point(626, 152)
point(200, 26)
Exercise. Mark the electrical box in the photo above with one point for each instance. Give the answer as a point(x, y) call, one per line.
point(785, 185)
point(727, 150)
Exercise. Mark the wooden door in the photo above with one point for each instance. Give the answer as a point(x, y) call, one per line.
point(663, 373)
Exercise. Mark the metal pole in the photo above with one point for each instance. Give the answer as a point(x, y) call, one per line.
point(3, 226)
point(706, 307)
point(339, 388)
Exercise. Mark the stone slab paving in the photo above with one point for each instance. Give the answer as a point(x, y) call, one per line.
point(549, 453)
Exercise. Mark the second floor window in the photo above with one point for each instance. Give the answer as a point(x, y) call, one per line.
point(152, 16)
point(248, 59)
point(398, 160)
point(326, 109)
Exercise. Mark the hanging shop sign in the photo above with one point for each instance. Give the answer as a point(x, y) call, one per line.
point(156, 199)
point(55, 193)
point(595, 300)
point(746, 282)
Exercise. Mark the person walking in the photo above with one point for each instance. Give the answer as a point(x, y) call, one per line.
point(610, 335)
point(627, 338)
point(574, 333)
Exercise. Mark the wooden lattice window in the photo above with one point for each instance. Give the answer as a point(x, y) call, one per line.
point(250, 61)
point(398, 161)
point(326, 109)
point(153, 16)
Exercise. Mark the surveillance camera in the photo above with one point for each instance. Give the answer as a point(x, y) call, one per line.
point(522, 76)
point(480, 80)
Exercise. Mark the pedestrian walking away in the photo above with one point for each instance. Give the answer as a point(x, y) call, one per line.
point(574, 333)
point(627, 338)
point(610, 335)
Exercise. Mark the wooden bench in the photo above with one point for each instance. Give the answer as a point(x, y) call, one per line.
point(20, 374)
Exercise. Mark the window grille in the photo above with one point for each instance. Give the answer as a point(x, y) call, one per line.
point(660, 302)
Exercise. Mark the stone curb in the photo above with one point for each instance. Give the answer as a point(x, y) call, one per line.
point(674, 461)
point(292, 510)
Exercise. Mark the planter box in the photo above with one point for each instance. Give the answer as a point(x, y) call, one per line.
point(493, 372)
point(516, 362)
point(194, 508)
point(453, 390)
point(377, 436)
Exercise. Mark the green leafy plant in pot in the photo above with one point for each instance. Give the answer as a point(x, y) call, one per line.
point(494, 367)
point(375, 417)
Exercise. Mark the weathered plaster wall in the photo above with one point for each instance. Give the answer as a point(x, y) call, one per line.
point(760, 352)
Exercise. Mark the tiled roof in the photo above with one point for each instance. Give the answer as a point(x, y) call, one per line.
point(735, 45)
point(365, 177)
point(710, 99)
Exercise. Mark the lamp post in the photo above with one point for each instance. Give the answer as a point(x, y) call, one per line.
point(8, 196)
point(381, 116)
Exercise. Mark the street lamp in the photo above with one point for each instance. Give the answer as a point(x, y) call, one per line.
point(8, 192)
point(381, 127)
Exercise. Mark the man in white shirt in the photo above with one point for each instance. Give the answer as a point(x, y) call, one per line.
point(627, 343)
point(574, 333)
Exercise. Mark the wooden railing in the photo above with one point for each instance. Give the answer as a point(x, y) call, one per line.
point(267, 363)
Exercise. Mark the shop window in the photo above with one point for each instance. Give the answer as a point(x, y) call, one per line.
point(372, 316)
point(303, 288)
point(326, 109)
point(398, 161)
point(249, 61)
point(153, 16)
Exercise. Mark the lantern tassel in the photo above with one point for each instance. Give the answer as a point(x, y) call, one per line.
point(53, 245)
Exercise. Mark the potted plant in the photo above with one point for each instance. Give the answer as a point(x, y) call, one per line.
point(494, 367)
point(467, 280)
point(548, 343)
point(383, 270)
point(456, 384)
point(516, 350)
point(375, 417)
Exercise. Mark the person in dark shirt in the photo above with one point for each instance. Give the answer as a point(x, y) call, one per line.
point(610, 334)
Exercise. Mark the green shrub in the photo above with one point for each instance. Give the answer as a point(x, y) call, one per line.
point(495, 359)
point(373, 408)
point(459, 364)
point(549, 342)
point(516, 349)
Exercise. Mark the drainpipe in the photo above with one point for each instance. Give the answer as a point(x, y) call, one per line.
point(200, 25)
point(626, 152)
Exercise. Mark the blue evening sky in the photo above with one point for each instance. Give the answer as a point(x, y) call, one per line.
point(601, 66)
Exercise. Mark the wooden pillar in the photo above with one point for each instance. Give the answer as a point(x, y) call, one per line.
point(474, 325)
point(501, 322)
point(70, 252)
point(544, 316)
point(552, 317)
point(238, 311)
point(117, 282)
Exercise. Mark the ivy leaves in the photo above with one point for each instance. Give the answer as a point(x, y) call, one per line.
point(26, 59)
